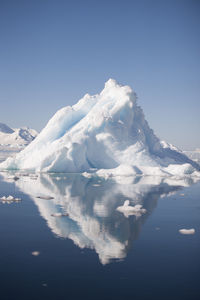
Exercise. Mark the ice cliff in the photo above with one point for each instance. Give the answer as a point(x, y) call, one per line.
point(106, 132)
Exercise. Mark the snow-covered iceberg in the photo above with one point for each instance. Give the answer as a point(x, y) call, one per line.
point(106, 132)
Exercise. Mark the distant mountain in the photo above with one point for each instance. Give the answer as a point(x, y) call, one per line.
point(194, 155)
point(5, 129)
point(16, 136)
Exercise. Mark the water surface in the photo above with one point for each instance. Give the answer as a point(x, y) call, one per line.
point(93, 251)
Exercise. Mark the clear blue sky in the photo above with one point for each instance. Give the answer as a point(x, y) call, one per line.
point(52, 52)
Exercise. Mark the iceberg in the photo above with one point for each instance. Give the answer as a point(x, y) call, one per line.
point(105, 133)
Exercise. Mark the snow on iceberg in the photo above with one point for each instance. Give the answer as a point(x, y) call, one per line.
point(106, 132)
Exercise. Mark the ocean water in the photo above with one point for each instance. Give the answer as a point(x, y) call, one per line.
point(66, 240)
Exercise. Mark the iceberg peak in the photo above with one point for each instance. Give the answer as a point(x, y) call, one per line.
point(111, 83)
point(117, 92)
point(107, 132)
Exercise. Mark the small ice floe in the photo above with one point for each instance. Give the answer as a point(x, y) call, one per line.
point(96, 184)
point(35, 253)
point(187, 231)
point(128, 210)
point(59, 214)
point(182, 194)
point(45, 197)
point(9, 199)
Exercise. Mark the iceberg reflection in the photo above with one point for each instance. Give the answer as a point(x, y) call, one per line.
point(84, 209)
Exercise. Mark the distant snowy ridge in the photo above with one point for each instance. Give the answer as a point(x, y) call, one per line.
point(105, 132)
point(16, 136)
point(5, 129)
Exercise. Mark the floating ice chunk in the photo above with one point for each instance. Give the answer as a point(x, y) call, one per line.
point(9, 199)
point(35, 253)
point(187, 231)
point(128, 210)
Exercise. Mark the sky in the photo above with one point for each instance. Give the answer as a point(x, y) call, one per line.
point(52, 52)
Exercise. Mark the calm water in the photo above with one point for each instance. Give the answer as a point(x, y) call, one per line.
point(93, 251)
